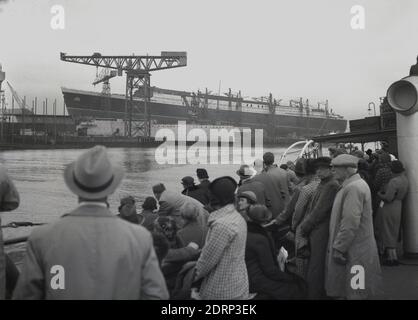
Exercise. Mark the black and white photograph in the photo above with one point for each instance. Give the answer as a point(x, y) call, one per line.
point(212, 155)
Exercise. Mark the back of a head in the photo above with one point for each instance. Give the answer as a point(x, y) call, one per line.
point(384, 158)
point(187, 181)
point(300, 167)
point(223, 190)
point(284, 166)
point(158, 188)
point(397, 166)
point(321, 162)
point(259, 214)
point(258, 165)
point(310, 167)
point(202, 173)
point(362, 165)
point(149, 204)
point(189, 212)
point(268, 158)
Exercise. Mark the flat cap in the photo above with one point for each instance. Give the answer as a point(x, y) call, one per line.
point(345, 160)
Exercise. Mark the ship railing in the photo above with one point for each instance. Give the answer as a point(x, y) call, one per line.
point(310, 149)
point(223, 105)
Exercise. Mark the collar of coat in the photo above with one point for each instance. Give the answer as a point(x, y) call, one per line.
point(220, 213)
point(91, 210)
point(353, 178)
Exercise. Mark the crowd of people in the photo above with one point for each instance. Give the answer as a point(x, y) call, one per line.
point(293, 231)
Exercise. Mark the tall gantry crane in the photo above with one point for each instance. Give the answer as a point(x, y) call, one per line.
point(137, 70)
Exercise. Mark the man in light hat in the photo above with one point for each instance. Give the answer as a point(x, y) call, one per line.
point(90, 253)
point(351, 245)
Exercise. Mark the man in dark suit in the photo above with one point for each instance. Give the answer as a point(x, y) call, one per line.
point(247, 183)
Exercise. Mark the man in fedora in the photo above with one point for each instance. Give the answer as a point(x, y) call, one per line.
point(90, 253)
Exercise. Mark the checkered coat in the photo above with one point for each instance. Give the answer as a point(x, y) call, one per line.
point(222, 261)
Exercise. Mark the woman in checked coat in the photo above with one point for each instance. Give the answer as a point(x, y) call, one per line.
point(221, 266)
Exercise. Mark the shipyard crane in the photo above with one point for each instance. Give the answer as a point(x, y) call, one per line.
point(103, 77)
point(137, 70)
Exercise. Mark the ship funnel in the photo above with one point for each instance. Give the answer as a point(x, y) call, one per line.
point(402, 96)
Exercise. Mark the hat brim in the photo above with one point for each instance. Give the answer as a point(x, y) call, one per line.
point(118, 174)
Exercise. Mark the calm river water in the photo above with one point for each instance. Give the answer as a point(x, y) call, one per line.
point(45, 197)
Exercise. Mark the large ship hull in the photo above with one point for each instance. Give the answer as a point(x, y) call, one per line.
point(83, 105)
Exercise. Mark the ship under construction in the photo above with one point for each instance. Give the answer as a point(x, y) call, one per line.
point(298, 119)
point(143, 105)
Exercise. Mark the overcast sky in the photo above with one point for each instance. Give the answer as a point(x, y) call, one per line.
point(289, 48)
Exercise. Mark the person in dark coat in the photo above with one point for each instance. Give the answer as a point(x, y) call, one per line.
point(383, 174)
point(363, 171)
point(127, 210)
point(247, 183)
point(275, 183)
point(264, 274)
point(148, 212)
point(203, 177)
point(388, 217)
point(280, 180)
point(191, 190)
point(315, 226)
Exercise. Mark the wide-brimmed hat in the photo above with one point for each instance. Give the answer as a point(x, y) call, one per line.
point(249, 195)
point(92, 176)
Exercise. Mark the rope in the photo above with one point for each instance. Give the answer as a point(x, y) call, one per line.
point(18, 224)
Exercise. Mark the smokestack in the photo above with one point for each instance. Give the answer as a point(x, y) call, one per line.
point(403, 98)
